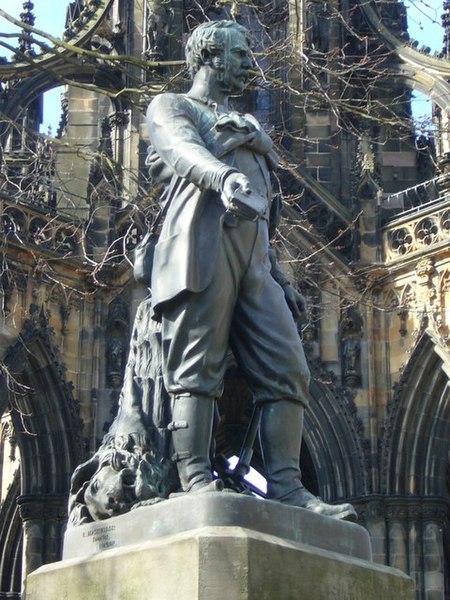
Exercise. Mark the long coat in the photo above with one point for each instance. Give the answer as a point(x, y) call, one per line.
point(191, 153)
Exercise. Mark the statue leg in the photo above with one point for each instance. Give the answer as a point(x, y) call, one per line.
point(280, 435)
point(192, 425)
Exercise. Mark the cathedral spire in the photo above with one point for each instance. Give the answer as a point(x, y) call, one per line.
point(446, 25)
point(27, 17)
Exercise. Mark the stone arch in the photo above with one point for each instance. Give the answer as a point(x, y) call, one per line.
point(23, 94)
point(77, 33)
point(40, 412)
point(416, 438)
point(51, 68)
point(48, 433)
point(11, 541)
point(392, 299)
point(424, 73)
point(415, 464)
point(333, 457)
point(6, 434)
point(335, 440)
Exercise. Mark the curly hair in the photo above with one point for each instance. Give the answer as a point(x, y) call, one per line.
point(209, 36)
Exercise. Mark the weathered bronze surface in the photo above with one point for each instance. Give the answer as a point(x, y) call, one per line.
point(215, 285)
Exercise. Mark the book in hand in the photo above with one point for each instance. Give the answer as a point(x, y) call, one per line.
point(247, 204)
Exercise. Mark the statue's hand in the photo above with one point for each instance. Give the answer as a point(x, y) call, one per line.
point(296, 303)
point(231, 184)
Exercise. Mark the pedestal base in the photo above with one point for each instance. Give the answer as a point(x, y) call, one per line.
point(191, 512)
point(226, 562)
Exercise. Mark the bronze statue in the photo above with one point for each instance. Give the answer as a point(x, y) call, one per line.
point(216, 284)
point(212, 281)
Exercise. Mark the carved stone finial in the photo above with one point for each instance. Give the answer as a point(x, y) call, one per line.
point(446, 25)
point(62, 125)
point(27, 17)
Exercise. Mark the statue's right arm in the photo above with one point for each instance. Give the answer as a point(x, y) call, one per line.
point(173, 130)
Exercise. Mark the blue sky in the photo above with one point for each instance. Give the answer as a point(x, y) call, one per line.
point(424, 19)
point(50, 17)
point(424, 22)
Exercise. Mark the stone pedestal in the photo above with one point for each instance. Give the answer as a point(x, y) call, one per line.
point(218, 547)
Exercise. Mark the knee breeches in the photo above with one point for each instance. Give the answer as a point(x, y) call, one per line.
point(243, 308)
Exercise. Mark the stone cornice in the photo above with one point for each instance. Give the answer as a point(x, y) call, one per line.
point(43, 507)
point(403, 508)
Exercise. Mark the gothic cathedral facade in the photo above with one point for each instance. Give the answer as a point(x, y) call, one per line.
point(364, 235)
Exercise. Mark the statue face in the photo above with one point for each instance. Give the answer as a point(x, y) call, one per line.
point(105, 494)
point(233, 63)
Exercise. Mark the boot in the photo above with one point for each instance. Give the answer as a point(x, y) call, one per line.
point(280, 435)
point(191, 426)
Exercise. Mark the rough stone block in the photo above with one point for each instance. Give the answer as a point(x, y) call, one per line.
point(218, 563)
point(191, 512)
point(218, 547)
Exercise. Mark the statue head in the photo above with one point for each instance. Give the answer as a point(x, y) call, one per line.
point(223, 45)
point(110, 492)
point(116, 478)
